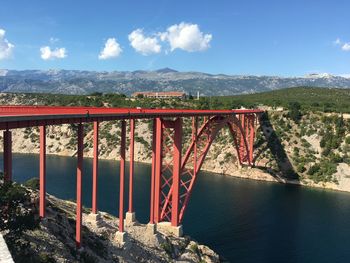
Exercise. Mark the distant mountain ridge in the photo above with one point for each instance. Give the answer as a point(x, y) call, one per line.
point(166, 79)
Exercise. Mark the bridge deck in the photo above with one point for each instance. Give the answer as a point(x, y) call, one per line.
point(27, 116)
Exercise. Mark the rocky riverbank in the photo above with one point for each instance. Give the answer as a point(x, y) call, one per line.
point(52, 239)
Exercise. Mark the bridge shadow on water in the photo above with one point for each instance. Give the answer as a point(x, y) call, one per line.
point(273, 143)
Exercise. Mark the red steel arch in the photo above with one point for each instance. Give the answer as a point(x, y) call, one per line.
point(172, 208)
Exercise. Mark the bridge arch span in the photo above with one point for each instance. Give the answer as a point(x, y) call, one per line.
point(194, 158)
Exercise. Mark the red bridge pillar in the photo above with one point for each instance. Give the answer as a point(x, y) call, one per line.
point(95, 169)
point(153, 173)
point(242, 139)
point(42, 175)
point(122, 177)
point(158, 168)
point(131, 169)
point(176, 172)
point(194, 139)
point(165, 181)
point(120, 235)
point(251, 138)
point(79, 184)
point(7, 156)
point(130, 215)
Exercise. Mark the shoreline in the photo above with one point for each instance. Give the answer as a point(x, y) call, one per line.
point(249, 173)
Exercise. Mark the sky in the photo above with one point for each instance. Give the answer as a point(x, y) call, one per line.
point(284, 38)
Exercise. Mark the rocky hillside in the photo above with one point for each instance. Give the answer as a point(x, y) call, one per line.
point(86, 82)
point(53, 238)
point(309, 148)
point(292, 145)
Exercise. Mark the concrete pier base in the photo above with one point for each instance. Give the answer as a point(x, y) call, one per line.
point(94, 219)
point(167, 229)
point(120, 238)
point(130, 218)
point(151, 229)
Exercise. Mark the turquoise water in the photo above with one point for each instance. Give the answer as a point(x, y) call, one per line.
point(243, 220)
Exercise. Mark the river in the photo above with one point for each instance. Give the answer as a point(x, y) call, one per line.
point(243, 220)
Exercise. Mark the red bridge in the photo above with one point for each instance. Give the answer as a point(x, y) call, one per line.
point(173, 175)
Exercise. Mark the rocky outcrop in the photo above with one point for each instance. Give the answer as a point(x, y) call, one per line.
point(53, 239)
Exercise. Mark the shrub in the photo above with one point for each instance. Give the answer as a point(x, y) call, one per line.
point(14, 216)
point(32, 183)
point(294, 111)
point(347, 140)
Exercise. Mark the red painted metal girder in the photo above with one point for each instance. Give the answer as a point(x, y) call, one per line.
point(42, 172)
point(122, 176)
point(158, 169)
point(12, 117)
point(177, 148)
point(153, 175)
point(131, 168)
point(95, 168)
point(79, 185)
point(7, 156)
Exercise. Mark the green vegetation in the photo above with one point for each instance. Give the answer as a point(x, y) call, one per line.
point(18, 216)
point(294, 111)
point(309, 98)
point(33, 183)
point(323, 171)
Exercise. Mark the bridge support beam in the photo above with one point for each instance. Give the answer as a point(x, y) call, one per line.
point(177, 148)
point(251, 138)
point(7, 156)
point(42, 175)
point(194, 139)
point(153, 172)
point(242, 138)
point(79, 184)
point(158, 168)
point(95, 169)
point(122, 176)
point(120, 235)
point(130, 215)
point(167, 147)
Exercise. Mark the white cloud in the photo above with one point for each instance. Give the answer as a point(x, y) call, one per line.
point(48, 53)
point(54, 40)
point(187, 37)
point(112, 49)
point(142, 44)
point(346, 46)
point(337, 42)
point(6, 48)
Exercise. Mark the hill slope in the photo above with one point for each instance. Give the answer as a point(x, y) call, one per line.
point(86, 82)
point(310, 98)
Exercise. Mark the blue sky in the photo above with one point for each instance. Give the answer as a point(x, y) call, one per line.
point(288, 38)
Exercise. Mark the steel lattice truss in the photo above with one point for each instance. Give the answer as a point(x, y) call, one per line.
point(242, 129)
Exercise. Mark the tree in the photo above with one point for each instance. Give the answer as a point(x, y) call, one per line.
point(294, 111)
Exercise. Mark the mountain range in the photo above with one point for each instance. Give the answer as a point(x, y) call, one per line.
point(127, 82)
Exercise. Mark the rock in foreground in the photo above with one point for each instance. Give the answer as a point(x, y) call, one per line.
point(52, 239)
